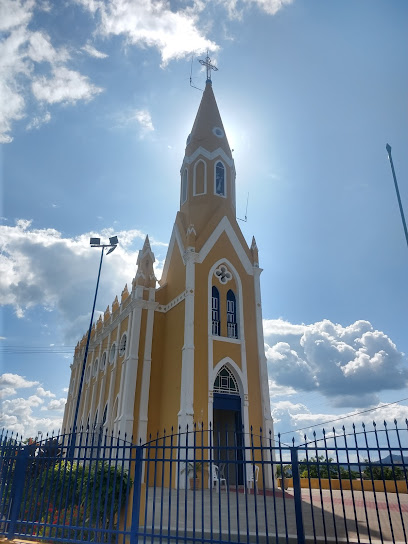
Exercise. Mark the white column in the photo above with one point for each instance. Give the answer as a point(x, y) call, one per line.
point(186, 413)
point(127, 399)
point(263, 370)
point(147, 364)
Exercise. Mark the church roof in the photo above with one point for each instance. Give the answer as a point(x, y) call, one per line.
point(208, 131)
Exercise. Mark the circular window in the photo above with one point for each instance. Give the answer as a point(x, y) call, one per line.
point(122, 347)
point(103, 361)
point(112, 353)
point(95, 367)
point(218, 132)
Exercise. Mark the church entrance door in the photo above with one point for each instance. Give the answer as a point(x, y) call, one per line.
point(228, 437)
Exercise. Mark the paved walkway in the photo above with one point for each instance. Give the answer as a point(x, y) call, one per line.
point(327, 516)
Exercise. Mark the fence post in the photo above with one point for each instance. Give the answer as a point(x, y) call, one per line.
point(297, 495)
point(137, 490)
point(17, 488)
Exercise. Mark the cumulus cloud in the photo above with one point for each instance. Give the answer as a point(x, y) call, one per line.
point(43, 393)
point(9, 383)
point(20, 416)
point(41, 267)
point(57, 404)
point(349, 365)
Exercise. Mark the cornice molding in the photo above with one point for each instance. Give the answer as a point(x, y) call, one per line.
point(209, 155)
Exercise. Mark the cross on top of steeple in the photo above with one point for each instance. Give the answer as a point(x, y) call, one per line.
point(209, 67)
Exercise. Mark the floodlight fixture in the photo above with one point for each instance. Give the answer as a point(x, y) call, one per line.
point(111, 249)
point(95, 242)
point(113, 240)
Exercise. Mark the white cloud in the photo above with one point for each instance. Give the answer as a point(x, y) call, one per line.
point(43, 393)
point(57, 404)
point(24, 55)
point(93, 52)
point(175, 34)
point(348, 365)
point(19, 416)
point(39, 120)
point(65, 85)
point(293, 419)
point(9, 383)
point(41, 267)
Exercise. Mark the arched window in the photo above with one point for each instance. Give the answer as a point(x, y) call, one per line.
point(225, 382)
point(105, 414)
point(96, 419)
point(219, 179)
point(184, 180)
point(200, 181)
point(122, 346)
point(215, 311)
point(103, 361)
point(231, 315)
point(95, 367)
point(112, 353)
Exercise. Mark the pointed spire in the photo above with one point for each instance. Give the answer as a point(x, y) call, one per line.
point(145, 273)
point(208, 131)
point(254, 251)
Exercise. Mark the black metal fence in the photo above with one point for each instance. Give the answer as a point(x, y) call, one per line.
point(207, 486)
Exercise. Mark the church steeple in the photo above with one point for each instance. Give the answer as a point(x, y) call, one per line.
point(208, 170)
point(208, 130)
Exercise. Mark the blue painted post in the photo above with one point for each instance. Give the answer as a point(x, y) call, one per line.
point(297, 495)
point(17, 489)
point(137, 490)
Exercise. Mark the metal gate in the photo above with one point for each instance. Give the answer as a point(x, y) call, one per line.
point(210, 485)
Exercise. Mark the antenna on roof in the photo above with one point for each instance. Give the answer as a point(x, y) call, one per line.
point(191, 76)
point(246, 211)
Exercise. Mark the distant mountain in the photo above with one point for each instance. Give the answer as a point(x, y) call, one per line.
point(396, 459)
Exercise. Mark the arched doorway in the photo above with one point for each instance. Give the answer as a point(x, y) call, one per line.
point(228, 431)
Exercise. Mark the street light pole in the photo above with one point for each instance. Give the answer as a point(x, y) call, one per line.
point(388, 148)
point(95, 242)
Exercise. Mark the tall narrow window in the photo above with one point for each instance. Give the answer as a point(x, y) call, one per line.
point(231, 315)
point(215, 311)
point(184, 186)
point(105, 414)
point(220, 179)
point(199, 178)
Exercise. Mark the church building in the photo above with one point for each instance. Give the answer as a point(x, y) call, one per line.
point(188, 348)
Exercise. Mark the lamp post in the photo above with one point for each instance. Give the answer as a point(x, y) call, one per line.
point(95, 242)
point(388, 148)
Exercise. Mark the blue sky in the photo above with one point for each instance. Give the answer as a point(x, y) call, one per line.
point(95, 109)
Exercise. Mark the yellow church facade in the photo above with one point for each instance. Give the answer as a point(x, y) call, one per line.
point(188, 349)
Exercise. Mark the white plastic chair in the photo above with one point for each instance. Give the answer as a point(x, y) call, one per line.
point(253, 477)
point(217, 479)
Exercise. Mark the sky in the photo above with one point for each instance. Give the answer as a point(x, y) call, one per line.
point(95, 108)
